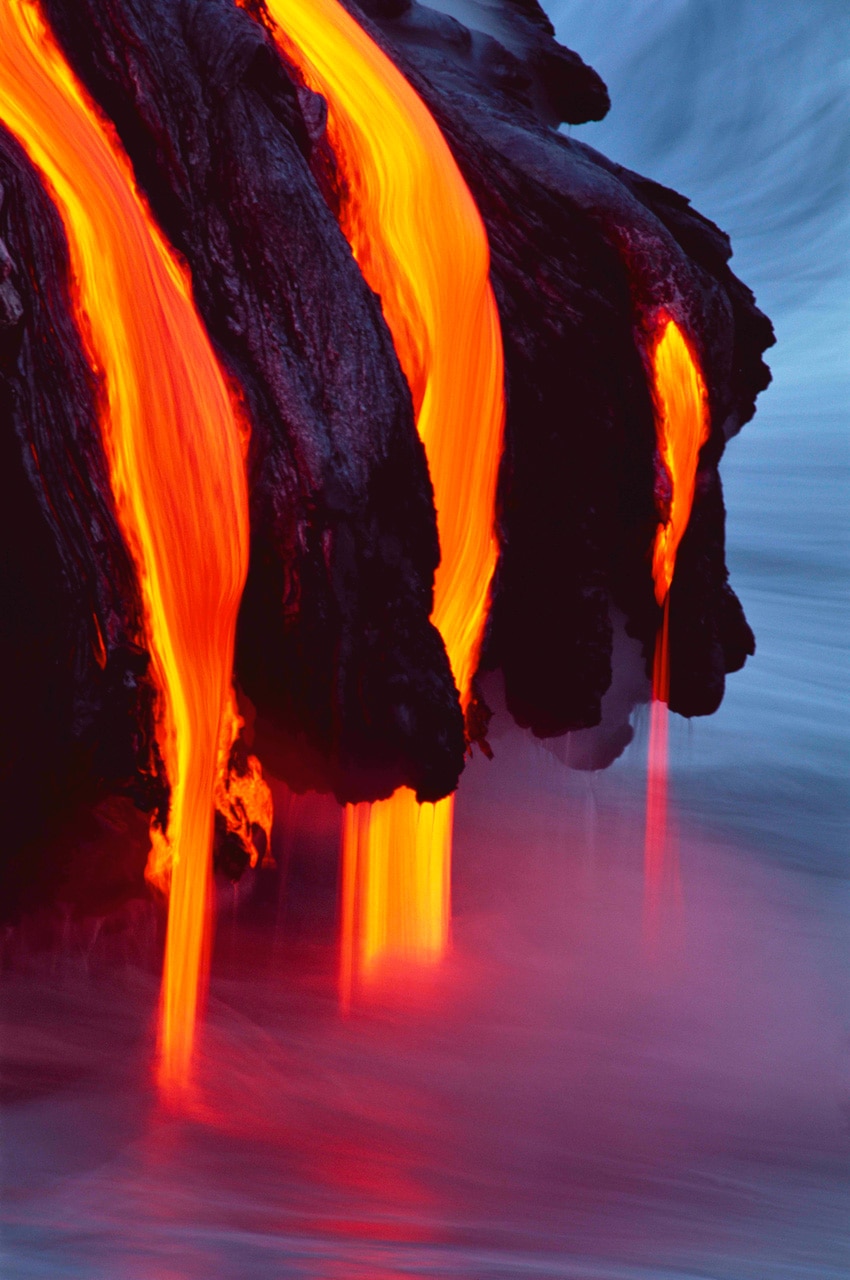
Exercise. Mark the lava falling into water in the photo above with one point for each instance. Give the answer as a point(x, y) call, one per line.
point(176, 456)
point(682, 427)
point(420, 243)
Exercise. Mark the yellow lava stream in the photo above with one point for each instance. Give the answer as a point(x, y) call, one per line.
point(176, 454)
point(421, 245)
point(682, 428)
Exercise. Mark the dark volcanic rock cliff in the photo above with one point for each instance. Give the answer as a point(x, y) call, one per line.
point(585, 257)
point(77, 705)
point(350, 680)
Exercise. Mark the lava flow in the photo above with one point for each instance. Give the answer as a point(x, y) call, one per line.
point(682, 427)
point(421, 245)
point(176, 455)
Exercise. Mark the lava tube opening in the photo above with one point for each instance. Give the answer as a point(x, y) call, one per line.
point(421, 245)
point(175, 448)
point(682, 427)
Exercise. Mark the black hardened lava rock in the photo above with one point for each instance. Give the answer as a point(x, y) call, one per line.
point(76, 705)
point(709, 635)
point(586, 258)
point(514, 52)
point(350, 681)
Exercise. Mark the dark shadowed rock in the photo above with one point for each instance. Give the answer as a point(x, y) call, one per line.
point(585, 258)
point(77, 705)
point(350, 680)
point(510, 45)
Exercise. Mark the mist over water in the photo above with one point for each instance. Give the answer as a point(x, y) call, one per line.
point(744, 107)
point(571, 1096)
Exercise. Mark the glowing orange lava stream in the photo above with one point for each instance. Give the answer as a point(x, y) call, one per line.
point(420, 243)
point(176, 457)
point(682, 427)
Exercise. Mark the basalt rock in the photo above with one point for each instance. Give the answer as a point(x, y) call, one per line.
point(586, 256)
point(350, 681)
point(511, 46)
point(77, 703)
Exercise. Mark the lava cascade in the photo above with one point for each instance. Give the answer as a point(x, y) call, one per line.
point(421, 245)
point(682, 427)
point(175, 447)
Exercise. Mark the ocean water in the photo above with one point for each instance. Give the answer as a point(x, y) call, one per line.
point(585, 1090)
point(744, 107)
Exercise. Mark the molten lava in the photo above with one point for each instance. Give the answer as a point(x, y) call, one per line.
point(176, 454)
point(242, 795)
point(682, 428)
point(420, 243)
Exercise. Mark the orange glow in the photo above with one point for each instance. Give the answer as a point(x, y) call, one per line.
point(176, 455)
point(682, 428)
point(421, 245)
point(243, 799)
point(396, 888)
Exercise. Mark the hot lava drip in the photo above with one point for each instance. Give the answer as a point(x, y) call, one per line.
point(421, 245)
point(176, 455)
point(682, 427)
